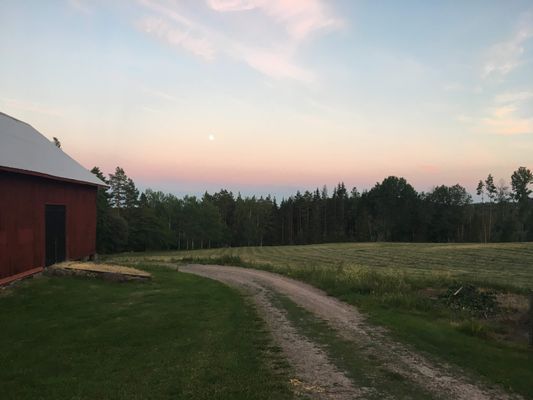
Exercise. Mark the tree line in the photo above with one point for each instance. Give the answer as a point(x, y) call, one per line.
point(392, 210)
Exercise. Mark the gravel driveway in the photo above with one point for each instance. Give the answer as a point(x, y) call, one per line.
point(317, 376)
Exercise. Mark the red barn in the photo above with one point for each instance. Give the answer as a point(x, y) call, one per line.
point(47, 203)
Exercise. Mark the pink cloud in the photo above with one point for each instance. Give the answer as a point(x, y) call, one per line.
point(510, 114)
point(300, 17)
point(509, 125)
point(501, 112)
point(506, 117)
point(179, 26)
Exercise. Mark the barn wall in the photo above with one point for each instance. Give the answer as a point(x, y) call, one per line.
point(22, 223)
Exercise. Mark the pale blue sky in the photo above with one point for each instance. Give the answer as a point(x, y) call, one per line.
point(295, 94)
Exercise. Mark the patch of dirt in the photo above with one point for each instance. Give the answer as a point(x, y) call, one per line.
point(513, 302)
point(513, 318)
point(312, 365)
point(432, 293)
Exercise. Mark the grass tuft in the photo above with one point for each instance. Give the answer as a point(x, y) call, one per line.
point(472, 327)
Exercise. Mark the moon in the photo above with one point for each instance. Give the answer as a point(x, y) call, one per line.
point(211, 137)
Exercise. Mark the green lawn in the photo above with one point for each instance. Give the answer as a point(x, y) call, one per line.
point(180, 337)
point(501, 263)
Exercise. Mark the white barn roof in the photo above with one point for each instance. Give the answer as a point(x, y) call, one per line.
point(23, 148)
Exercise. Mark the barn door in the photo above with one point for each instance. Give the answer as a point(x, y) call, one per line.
point(55, 234)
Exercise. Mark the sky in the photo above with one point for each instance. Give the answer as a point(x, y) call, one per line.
point(274, 96)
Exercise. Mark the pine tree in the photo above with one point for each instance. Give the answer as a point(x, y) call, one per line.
point(132, 195)
point(480, 191)
point(521, 179)
point(111, 230)
point(491, 194)
point(124, 194)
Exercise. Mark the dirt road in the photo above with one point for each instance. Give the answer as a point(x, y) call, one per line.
point(317, 375)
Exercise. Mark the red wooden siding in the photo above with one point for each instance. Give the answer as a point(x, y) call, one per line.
point(22, 224)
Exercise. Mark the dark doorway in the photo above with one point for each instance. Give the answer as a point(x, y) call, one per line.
point(55, 234)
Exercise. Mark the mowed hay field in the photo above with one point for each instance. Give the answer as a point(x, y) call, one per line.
point(497, 263)
point(408, 288)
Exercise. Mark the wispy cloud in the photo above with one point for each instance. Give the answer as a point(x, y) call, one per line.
point(232, 5)
point(151, 110)
point(504, 57)
point(509, 115)
point(514, 97)
point(158, 93)
point(508, 124)
point(80, 6)
point(176, 36)
point(453, 87)
point(300, 17)
point(276, 65)
point(178, 26)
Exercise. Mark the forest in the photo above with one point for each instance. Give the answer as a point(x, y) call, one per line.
point(392, 210)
